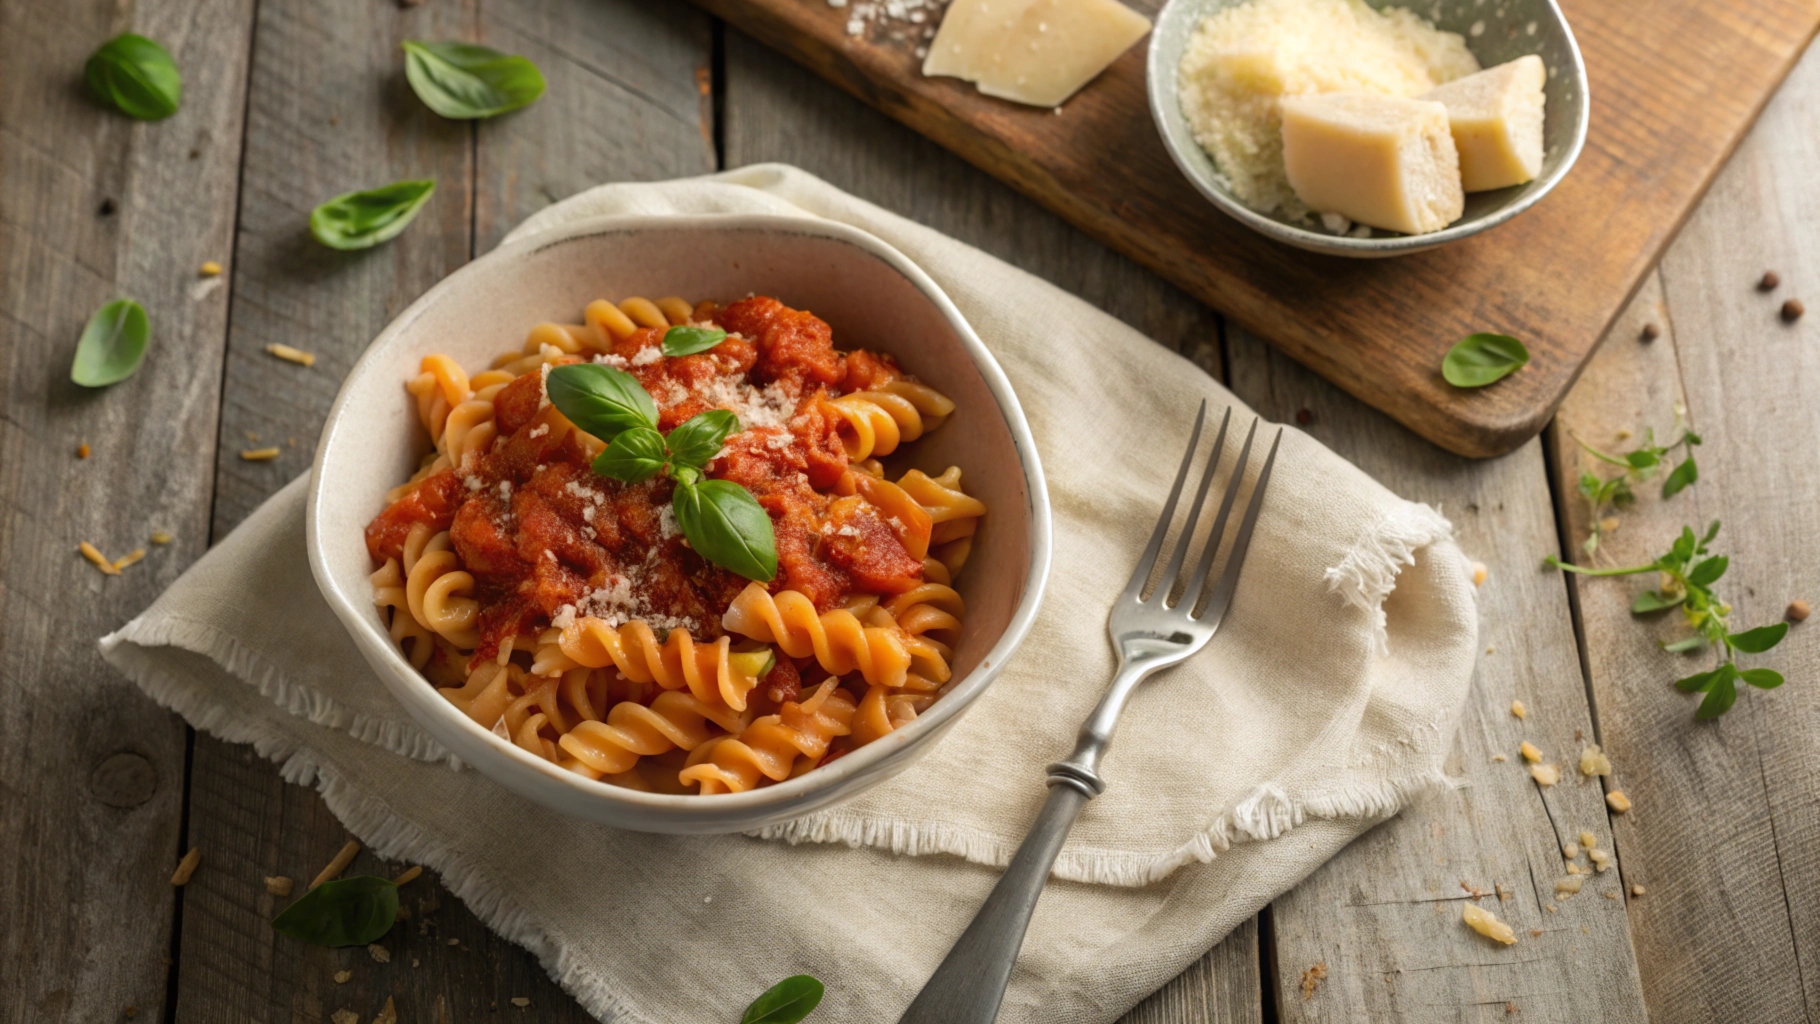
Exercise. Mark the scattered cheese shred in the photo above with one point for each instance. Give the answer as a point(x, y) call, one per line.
point(379, 953)
point(259, 454)
point(210, 268)
point(1600, 859)
point(388, 1014)
point(410, 874)
point(90, 552)
point(1530, 753)
point(335, 867)
point(162, 537)
point(520, 1001)
point(1588, 840)
point(1570, 850)
point(1617, 801)
point(1545, 774)
point(345, 1017)
point(187, 866)
point(1594, 762)
point(1487, 924)
point(1569, 885)
point(1517, 708)
point(130, 558)
point(343, 977)
point(292, 355)
point(278, 885)
point(1479, 574)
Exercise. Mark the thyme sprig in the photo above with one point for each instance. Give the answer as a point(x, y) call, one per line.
point(1640, 464)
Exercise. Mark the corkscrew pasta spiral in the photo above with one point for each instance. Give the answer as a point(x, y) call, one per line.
point(837, 640)
point(679, 662)
point(770, 746)
point(674, 719)
point(439, 594)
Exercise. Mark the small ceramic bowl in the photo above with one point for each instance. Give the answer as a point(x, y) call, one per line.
point(1496, 31)
point(874, 298)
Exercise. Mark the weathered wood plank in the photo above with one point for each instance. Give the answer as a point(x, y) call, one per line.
point(621, 104)
point(1383, 917)
point(777, 111)
point(94, 206)
point(1725, 834)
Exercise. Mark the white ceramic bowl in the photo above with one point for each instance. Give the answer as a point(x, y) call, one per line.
point(1495, 32)
point(874, 298)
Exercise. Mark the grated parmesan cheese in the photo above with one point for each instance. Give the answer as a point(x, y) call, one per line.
point(648, 355)
point(538, 431)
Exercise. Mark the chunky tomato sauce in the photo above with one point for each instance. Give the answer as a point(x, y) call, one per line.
point(541, 533)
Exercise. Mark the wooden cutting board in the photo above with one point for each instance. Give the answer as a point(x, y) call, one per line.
point(1674, 85)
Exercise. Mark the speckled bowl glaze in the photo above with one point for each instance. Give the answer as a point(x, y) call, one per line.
point(1495, 30)
point(872, 295)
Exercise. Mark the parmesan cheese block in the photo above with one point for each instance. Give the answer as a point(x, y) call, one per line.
point(1038, 52)
point(1385, 161)
point(1496, 116)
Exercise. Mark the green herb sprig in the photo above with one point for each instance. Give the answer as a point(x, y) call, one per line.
point(786, 1002)
point(1638, 465)
point(721, 519)
point(112, 346)
point(135, 76)
point(361, 220)
point(466, 82)
point(1480, 359)
point(345, 912)
point(1688, 573)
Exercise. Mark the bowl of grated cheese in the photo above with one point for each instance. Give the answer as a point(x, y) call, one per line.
point(1219, 70)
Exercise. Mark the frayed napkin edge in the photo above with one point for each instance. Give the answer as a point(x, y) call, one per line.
point(387, 834)
point(1368, 573)
point(125, 647)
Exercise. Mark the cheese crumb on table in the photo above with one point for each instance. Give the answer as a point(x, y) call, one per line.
point(379, 953)
point(291, 355)
point(1594, 762)
point(187, 866)
point(1545, 774)
point(1617, 801)
point(1496, 118)
point(101, 561)
point(1569, 885)
point(343, 977)
point(1385, 161)
point(278, 885)
point(1487, 924)
point(259, 454)
point(1038, 52)
point(1530, 753)
point(1588, 840)
point(1517, 708)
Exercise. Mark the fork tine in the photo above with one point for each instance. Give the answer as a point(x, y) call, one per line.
point(1148, 559)
point(1229, 578)
point(1166, 582)
point(1191, 594)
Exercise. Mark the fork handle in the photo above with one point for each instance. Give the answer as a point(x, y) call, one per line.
point(969, 985)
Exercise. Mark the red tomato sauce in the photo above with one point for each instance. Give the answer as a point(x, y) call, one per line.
point(542, 533)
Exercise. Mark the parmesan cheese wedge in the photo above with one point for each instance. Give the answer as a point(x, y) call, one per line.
point(1496, 117)
point(1038, 52)
point(1385, 161)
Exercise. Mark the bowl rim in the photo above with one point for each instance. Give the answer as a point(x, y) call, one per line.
point(1165, 109)
point(683, 809)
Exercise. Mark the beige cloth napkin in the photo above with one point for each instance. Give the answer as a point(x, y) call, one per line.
point(1329, 699)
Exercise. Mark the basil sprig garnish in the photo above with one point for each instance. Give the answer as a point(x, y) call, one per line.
point(1480, 359)
point(686, 341)
point(786, 1002)
point(465, 82)
point(721, 519)
point(136, 76)
point(345, 912)
point(112, 345)
point(361, 220)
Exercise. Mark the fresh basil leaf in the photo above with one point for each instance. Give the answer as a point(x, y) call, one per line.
point(135, 76)
point(112, 345)
point(1756, 641)
point(361, 220)
point(1480, 359)
point(1692, 643)
point(1684, 546)
point(697, 441)
point(464, 82)
point(1762, 678)
point(1642, 458)
point(1682, 475)
point(633, 455)
point(1655, 601)
point(345, 912)
point(601, 400)
point(1720, 698)
point(727, 526)
point(1696, 682)
point(1708, 572)
point(786, 1002)
point(686, 341)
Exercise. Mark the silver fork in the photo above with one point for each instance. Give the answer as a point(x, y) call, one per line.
point(1150, 633)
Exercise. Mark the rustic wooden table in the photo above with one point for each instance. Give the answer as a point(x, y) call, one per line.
point(287, 102)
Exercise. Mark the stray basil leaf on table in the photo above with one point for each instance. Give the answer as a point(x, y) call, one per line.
point(361, 220)
point(112, 346)
point(1480, 359)
point(786, 1002)
point(345, 912)
point(465, 82)
point(136, 76)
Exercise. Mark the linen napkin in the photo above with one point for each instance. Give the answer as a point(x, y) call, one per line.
point(1327, 701)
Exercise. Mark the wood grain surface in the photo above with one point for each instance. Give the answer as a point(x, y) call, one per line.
point(1674, 84)
point(93, 207)
point(101, 791)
